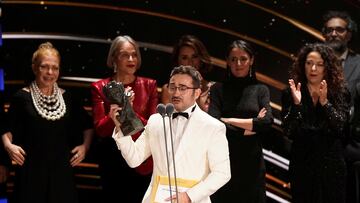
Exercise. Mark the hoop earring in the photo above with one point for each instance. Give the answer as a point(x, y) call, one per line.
point(250, 71)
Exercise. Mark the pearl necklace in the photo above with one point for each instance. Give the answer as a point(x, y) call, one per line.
point(49, 107)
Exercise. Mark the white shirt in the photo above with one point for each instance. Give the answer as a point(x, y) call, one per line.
point(179, 125)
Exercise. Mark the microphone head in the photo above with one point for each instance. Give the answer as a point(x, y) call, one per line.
point(160, 108)
point(169, 109)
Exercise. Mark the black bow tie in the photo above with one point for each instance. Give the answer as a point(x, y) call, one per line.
point(176, 114)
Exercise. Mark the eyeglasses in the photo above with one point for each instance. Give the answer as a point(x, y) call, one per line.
point(182, 88)
point(339, 30)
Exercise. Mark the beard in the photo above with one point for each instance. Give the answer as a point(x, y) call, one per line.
point(339, 46)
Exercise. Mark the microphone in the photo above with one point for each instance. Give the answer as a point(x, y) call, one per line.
point(169, 111)
point(161, 109)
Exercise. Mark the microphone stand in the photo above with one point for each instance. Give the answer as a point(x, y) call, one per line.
point(161, 110)
point(169, 112)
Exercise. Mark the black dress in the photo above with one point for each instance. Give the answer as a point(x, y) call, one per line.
point(46, 176)
point(317, 167)
point(242, 98)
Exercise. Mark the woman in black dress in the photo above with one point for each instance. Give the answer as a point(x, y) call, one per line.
point(244, 106)
point(41, 137)
point(315, 113)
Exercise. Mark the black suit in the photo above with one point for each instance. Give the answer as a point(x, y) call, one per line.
point(352, 77)
point(352, 72)
point(352, 150)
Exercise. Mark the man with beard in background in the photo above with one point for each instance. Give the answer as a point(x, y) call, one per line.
point(338, 30)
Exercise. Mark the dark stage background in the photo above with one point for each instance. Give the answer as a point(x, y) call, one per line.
point(82, 31)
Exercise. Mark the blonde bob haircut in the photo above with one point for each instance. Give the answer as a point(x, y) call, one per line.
point(116, 45)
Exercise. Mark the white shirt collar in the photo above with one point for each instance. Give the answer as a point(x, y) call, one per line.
point(344, 55)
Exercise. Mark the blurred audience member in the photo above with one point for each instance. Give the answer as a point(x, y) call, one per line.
point(338, 30)
point(190, 51)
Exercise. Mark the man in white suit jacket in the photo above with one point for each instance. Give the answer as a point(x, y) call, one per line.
point(200, 144)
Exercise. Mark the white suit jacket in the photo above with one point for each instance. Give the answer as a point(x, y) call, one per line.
point(202, 154)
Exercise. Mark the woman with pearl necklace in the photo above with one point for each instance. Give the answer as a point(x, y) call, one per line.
point(43, 138)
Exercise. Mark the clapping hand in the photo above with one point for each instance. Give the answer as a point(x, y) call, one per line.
point(295, 91)
point(323, 93)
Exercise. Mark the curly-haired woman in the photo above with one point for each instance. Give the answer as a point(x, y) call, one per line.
point(315, 114)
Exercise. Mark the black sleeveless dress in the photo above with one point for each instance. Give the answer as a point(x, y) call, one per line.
point(46, 176)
